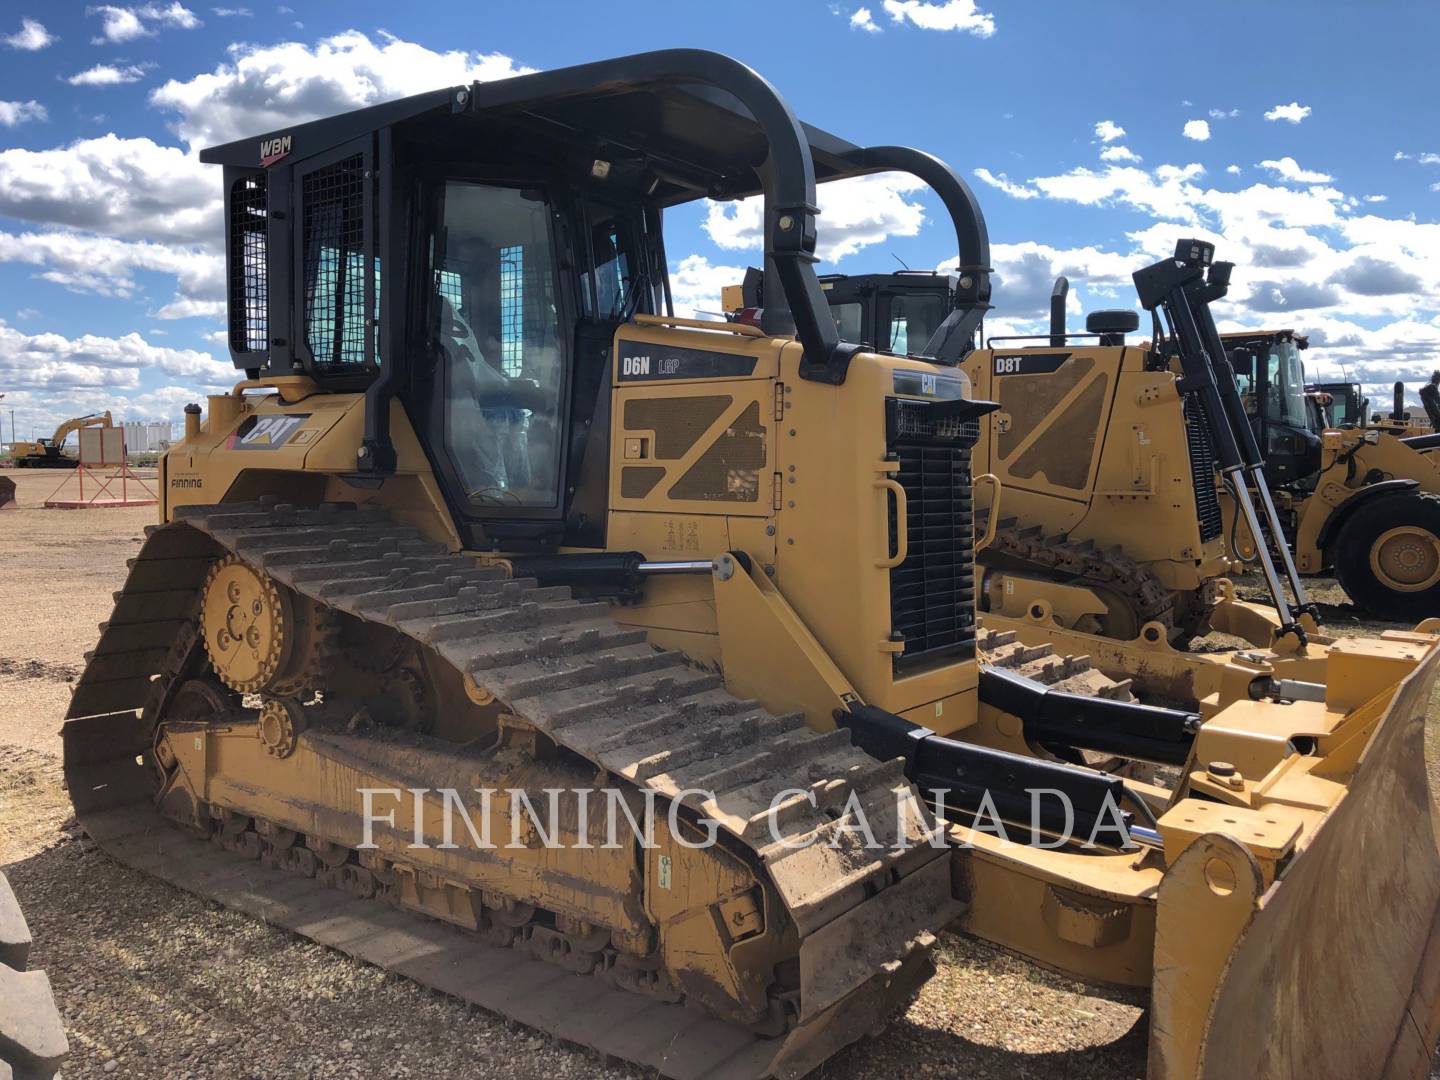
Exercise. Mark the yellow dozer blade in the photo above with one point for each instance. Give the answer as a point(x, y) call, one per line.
point(1334, 968)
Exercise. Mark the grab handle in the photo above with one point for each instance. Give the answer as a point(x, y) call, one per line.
point(994, 512)
point(902, 539)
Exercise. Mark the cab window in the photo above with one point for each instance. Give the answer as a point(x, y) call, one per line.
point(849, 319)
point(913, 319)
point(495, 328)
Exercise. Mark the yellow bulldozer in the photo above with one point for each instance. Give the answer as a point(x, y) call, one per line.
point(50, 453)
point(620, 672)
point(1106, 451)
point(1359, 499)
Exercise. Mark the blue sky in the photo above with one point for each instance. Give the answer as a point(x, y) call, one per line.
point(1078, 124)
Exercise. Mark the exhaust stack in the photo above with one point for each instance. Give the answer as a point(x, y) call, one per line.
point(1058, 296)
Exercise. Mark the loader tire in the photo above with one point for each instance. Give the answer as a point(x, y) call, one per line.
point(1387, 556)
point(32, 1036)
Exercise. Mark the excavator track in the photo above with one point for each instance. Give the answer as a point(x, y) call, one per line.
point(1030, 549)
point(646, 718)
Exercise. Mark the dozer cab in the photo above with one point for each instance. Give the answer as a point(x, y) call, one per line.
point(484, 517)
point(1361, 499)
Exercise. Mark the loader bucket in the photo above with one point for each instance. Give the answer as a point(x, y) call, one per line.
point(1334, 969)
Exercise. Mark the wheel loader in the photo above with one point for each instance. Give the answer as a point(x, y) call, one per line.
point(1361, 500)
point(484, 516)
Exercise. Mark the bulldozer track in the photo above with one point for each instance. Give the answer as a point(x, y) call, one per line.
point(647, 718)
point(32, 1034)
point(1057, 557)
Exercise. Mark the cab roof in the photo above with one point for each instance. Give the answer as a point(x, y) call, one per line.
point(697, 140)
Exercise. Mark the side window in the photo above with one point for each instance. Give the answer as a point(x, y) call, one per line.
point(341, 286)
point(608, 287)
point(496, 328)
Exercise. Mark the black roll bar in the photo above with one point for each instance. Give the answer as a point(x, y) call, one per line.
point(788, 175)
point(954, 337)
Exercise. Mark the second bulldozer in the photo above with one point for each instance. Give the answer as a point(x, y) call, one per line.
point(1111, 522)
point(485, 516)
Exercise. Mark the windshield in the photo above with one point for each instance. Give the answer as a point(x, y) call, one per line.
point(913, 318)
point(849, 319)
point(1285, 388)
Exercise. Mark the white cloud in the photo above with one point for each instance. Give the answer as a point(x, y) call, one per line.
point(1309, 254)
point(105, 266)
point(262, 88)
point(1287, 168)
point(1376, 198)
point(1109, 131)
point(945, 15)
point(49, 362)
point(1119, 153)
point(1294, 112)
point(13, 113)
point(231, 13)
point(1224, 114)
point(121, 24)
point(1199, 130)
point(1429, 159)
point(1004, 183)
point(695, 285)
point(27, 313)
point(861, 19)
point(121, 187)
point(854, 214)
point(31, 37)
point(1233, 170)
point(1166, 193)
point(1024, 274)
point(107, 75)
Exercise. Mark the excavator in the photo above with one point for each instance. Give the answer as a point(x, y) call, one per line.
point(1361, 500)
point(50, 453)
point(484, 516)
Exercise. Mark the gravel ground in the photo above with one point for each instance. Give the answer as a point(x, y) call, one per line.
point(156, 982)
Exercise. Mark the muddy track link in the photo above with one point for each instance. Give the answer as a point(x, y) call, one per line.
point(1083, 561)
point(598, 689)
point(32, 1034)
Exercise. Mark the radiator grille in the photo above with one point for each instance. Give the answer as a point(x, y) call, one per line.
point(932, 593)
point(249, 292)
point(336, 267)
point(1202, 471)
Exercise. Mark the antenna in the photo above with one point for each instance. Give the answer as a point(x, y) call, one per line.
point(899, 260)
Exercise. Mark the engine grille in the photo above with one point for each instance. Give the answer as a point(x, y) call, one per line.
point(932, 593)
point(1202, 471)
